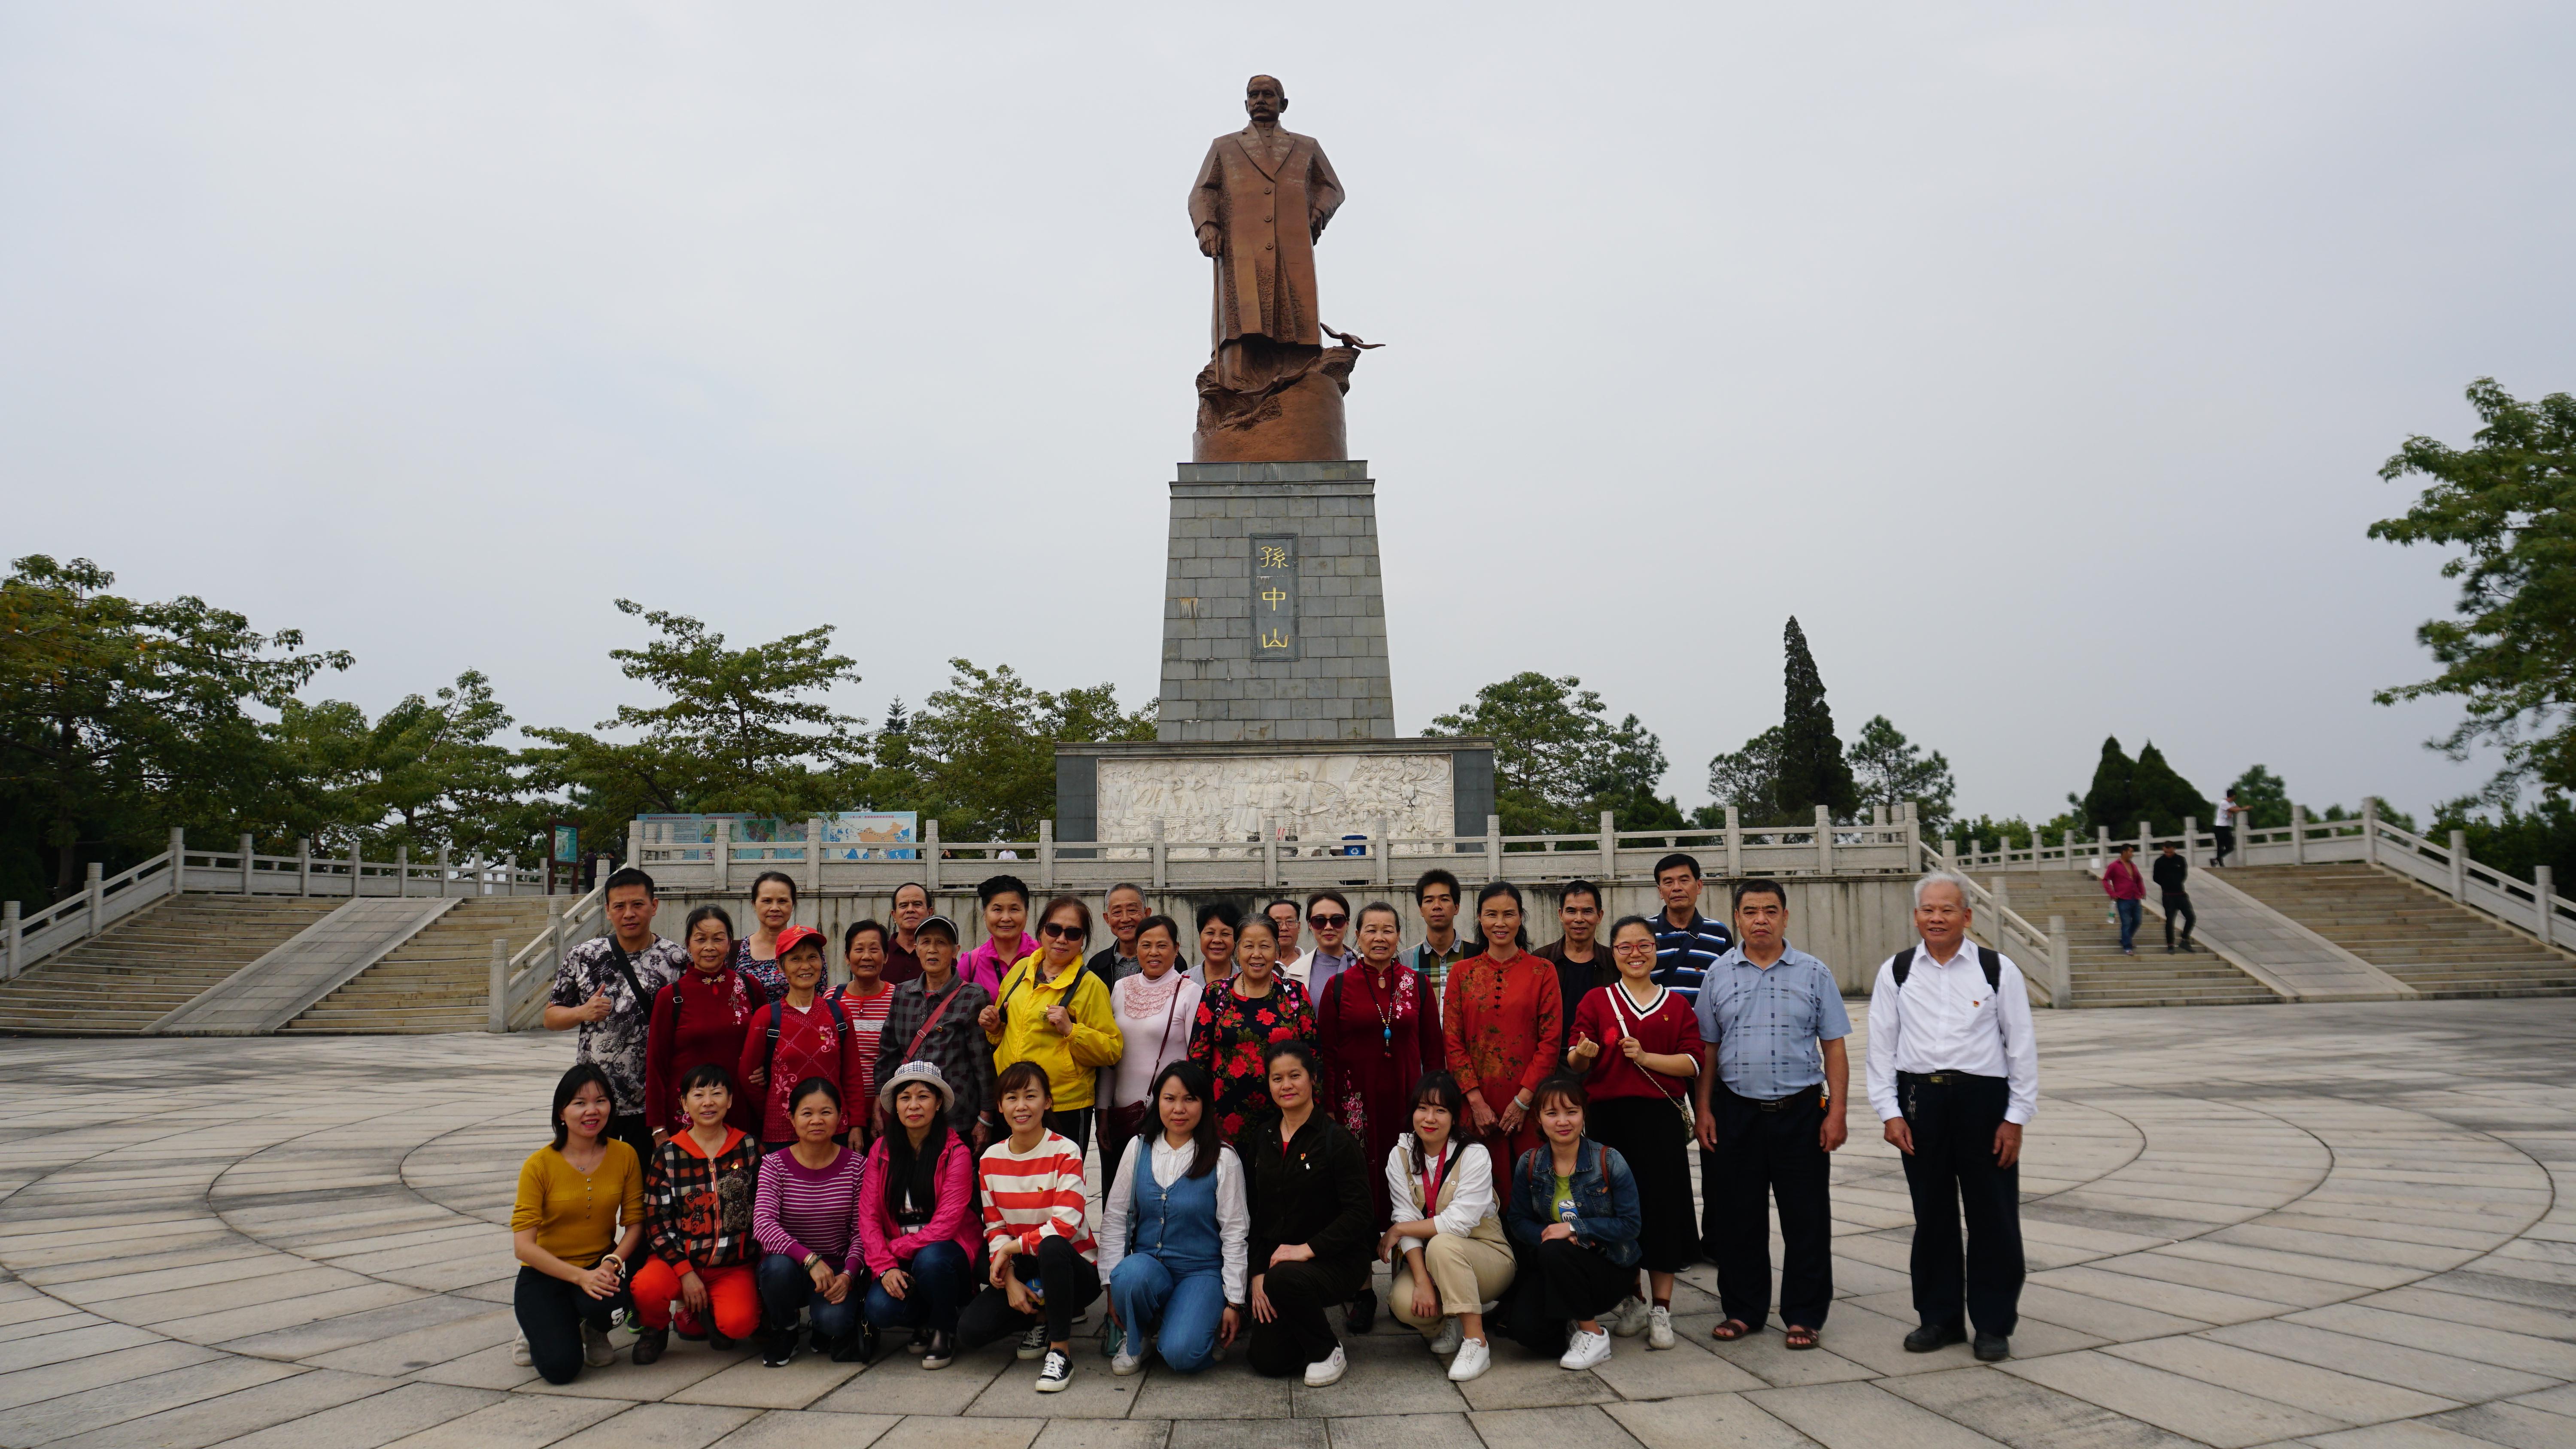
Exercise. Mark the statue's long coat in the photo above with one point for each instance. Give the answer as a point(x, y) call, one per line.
point(1265, 280)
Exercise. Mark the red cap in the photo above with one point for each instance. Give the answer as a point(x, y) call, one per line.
point(790, 937)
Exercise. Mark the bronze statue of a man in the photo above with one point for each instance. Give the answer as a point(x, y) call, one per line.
point(1262, 198)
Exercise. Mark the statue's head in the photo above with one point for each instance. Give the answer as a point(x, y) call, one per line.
point(1264, 98)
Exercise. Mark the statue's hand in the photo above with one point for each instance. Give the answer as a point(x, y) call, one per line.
point(1211, 240)
point(1315, 219)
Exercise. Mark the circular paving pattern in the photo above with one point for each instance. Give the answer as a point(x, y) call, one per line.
point(2243, 1225)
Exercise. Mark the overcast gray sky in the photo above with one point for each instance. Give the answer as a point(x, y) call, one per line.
point(2038, 358)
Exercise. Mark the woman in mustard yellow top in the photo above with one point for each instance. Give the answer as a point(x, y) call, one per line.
point(1054, 1010)
point(579, 1217)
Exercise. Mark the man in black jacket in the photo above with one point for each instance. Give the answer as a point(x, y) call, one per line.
point(2170, 872)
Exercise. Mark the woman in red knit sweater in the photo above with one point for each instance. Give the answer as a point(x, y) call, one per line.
point(699, 1018)
point(805, 1034)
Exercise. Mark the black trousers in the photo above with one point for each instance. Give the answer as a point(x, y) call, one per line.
point(1070, 1281)
point(1301, 1334)
point(1772, 1156)
point(1074, 1126)
point(2226, 844)
point(2178, 908)
point(1951, 1172)
point(551, 1313)
point(632, 1129)
point(1558, 1282)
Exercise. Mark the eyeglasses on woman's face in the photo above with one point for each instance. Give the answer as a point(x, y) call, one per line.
point(1327, 923)
point(1061, 931)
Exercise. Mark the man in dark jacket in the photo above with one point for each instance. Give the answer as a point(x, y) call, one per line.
point(2170, 872)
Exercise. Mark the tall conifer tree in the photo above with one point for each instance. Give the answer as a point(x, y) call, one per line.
point(1812, 769)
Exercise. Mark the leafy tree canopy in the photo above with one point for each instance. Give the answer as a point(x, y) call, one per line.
point(980, 754)
point(1559, 762)
point(426, 774)
point(1888, 770)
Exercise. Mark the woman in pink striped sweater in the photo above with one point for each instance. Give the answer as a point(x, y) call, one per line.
point(1045, 1269)
point(803, 1219)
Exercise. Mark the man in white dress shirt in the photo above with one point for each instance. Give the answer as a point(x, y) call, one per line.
point(1954, 1075)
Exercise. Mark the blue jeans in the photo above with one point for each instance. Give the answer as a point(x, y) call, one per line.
point(1178, 1316)
point(941, 1278)
point(785, 1286)
point(2129, 916)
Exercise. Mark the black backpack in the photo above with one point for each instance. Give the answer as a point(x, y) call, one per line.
point(1988, 961)
point(778, 1009)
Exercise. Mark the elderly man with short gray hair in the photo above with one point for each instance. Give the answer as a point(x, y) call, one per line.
point(1954, 1074)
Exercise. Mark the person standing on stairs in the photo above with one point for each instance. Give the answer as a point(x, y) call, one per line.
point(2229, 812)
point(2171, 870)
point(605, 987)
point(2121, 882)
point(1954, 1075)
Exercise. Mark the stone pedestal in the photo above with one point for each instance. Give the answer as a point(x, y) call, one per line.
point(1211, 794)
point(1274, 619)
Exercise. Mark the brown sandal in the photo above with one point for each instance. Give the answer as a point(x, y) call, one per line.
point(1731, 1330)
point(1798, 1336)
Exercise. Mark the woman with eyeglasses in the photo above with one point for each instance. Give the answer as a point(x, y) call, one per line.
point(1637, 1045)
point(1379, 1033)
point(1054, 1010)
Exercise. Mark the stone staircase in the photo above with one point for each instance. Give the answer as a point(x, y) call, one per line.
point(2104, 977)
point(437, 980)
point(141, 969)
point(2418, 937)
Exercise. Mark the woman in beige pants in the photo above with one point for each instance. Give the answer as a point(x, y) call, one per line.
point(1446, 1240)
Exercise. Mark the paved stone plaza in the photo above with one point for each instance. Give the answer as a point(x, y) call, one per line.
point(2332, 1224)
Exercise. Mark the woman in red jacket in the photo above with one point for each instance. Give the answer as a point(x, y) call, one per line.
point(807, 1033)
point(700, 1018)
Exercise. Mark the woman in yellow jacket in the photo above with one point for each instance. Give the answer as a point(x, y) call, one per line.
point(1054, 1011)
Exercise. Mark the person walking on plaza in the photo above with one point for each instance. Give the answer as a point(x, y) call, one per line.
point(1378, 1034)
point(1436, 897)
point(1574, 1222)
point(701, 1016)
point(2224, 828)
point(1774, 1082)
point(698, 1194)
point(1638, 1046)
point(1239, 1022)
point(937, 1018)
point(2128, 892)
point(917, 1226)
point(1122, 911)
point(1037, 1235)
point(2170, 871)
point(806, 1033)
point(805, 1217)
point(1053, 1011)
point(603, 993)
point(773, 905)
point(1307, 1183)
point(1445, 1234)
point(1328, 915)
point(1581, 962)
point(1175, 1233)
point(1155, 1010)
point(1005, 902)
point(1954, 1075)
point(1504, 1027)
point(911, 907)
point(576, 1224)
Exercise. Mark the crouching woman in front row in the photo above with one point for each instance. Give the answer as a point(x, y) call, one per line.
point(698, 1206)
point(575, 1226)
point(1574, 1225)
point(1446, 1241)
point(1174, 1231)
point(917, 1223)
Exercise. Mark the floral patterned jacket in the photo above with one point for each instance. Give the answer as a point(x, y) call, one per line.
point(1230, 1037)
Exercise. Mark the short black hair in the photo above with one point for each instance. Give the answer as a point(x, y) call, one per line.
point(1294, 908)
point(850, 937)
point(1001, 885)
point(710, 912)
point(1679, 859)
point(1437, 876)
point(1302, 1050)
point(780, 876)
point(1762, 886)
point(1224, 913)
point(707, 1074)
point(1579, 887)
point(1022, 1075)
point(569, 1085)
point(625, 876)
point(913, 885)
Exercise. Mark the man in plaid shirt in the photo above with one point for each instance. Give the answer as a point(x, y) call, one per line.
point(933, 1019)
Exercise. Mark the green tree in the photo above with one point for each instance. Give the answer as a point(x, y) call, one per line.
point(2165, 799)
point(1748, 779)
point(1888, 770)
point(2509, 501)
point(119, 719)
point(1559, 762)
point(979, 757)
point(2113, 800)
point(1812, 769)
point(2265, 796)
point(426, 774)
point(737, 730)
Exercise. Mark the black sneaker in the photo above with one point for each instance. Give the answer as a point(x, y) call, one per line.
point(1993, 1348)
point(649, 1345)
point(719, 1342)
point(859, 1345)
point(920, 1343)
point(1933, 1336)
point(1361, 1316)
point(778, 1347)
point(938, 1350)
point(1056, 1374)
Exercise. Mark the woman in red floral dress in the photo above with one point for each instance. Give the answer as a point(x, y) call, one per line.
point(1238, 1022)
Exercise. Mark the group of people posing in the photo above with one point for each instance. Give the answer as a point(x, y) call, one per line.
point(740, 1147)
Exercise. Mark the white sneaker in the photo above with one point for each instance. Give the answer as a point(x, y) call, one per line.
point(1034, 1342)
point(1659, 1328)
point(1445, 1342)
point(1328, 1370)
point(1056, 1374)
point(596, 1350)
point(1629, 1318)
point(1124, 1364)
point(1587, 1350)
point(519, 1351)
point(1473, 1359)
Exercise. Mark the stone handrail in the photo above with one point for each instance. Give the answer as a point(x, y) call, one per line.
point(1990, 911)
point(517, 993)
point(103, 901)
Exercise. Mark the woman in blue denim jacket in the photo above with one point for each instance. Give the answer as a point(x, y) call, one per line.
point(1574, 1222)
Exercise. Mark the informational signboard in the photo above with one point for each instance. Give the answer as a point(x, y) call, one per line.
point(847, 835)
point(567, 845)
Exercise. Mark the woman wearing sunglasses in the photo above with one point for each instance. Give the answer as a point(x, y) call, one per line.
point(1054, 1011)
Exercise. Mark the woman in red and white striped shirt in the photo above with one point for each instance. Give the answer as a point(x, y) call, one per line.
point(1045, 1268)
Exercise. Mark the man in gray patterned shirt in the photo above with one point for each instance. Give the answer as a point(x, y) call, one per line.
point(613, 1007)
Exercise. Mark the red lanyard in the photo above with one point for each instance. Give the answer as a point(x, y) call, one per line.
point(1431, 1184)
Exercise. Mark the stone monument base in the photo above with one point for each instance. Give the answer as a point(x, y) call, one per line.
point(1313, 792)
